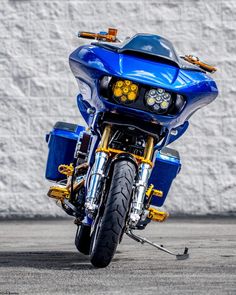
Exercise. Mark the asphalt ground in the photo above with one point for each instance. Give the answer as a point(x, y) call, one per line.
point(39, 257)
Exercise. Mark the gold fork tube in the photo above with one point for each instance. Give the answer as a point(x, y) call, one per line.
point(148, 151)
point(105, 137)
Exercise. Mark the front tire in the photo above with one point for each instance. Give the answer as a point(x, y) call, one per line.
point(110, 226)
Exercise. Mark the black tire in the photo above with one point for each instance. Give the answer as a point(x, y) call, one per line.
point(83, 239)
point(110, 227)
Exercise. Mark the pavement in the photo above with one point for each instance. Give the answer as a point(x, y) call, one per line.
point(39, 257)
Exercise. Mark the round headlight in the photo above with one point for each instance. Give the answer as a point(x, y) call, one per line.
point(158, 100)
point(167, 96)
point(125, 91)
point(164, 105)
point(151, 101)
point(160, 90)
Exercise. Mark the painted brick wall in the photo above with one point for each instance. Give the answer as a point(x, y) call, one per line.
point(37, 89)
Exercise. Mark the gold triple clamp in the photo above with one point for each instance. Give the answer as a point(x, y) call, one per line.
point(155, 214)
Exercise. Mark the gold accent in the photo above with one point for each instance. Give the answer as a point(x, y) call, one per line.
point(118, 92)
point(195, 60)
point(149, 190)
point(148, 151)
point(157, 193)
point(125, 90)
point(109, 37)
point(63, 192)
point(152, 192)
point(127, 82)
point(111, 151)
point(105, 137)
point(134, 87)
point(157, 215)
point(66, 169)
point(131, 96)
point(119, 83)
point(59, 193)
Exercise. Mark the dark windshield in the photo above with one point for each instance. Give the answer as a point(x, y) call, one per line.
point(147, 44)
point(150, 44)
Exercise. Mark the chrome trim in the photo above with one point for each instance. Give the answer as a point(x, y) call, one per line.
point(140, 190)
point(94, 182)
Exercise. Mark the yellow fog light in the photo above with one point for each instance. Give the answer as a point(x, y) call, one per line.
point(125, 90)
point(127, 82)
point(118, 92)
point(134, 87)
point(119, 83)
point(131, 95)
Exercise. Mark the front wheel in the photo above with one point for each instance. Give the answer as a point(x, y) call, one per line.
point(110, 226)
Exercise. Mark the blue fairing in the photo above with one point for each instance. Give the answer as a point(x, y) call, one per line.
point(151, 62)
point(89, 63)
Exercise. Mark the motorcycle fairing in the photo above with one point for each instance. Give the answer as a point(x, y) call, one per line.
point(90, 63)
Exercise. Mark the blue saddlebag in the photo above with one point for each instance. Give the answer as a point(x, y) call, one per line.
point(167, 166)
point(61, 143)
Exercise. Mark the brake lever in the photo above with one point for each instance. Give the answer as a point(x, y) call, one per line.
point(195, 60)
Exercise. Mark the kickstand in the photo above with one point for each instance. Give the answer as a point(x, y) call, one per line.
point(141, 240)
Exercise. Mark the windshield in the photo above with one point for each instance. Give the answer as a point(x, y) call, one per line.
point(150, 44)
point(153, 47)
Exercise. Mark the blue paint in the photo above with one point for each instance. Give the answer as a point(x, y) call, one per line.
point(146, 59)
point(165, 170)
point(61, 145)
point(89, 63)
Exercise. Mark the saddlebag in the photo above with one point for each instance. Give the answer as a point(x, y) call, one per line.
point(167, 166)
point(61, 144)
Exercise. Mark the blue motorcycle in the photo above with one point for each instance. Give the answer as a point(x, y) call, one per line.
point(136, 98)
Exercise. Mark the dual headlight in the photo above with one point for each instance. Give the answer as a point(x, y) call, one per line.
point(138, 96)
point(125, 91)
point(158, 99)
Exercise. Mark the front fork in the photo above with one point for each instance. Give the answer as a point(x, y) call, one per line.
point(145, 169)
point(97, 174)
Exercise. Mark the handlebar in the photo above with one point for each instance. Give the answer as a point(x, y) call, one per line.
point(109, 36)
point(195, 60)
point(87, 35)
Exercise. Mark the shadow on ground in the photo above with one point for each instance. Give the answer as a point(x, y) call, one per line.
point(62, 260)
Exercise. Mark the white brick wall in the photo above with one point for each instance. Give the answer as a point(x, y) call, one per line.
point(37, 89)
